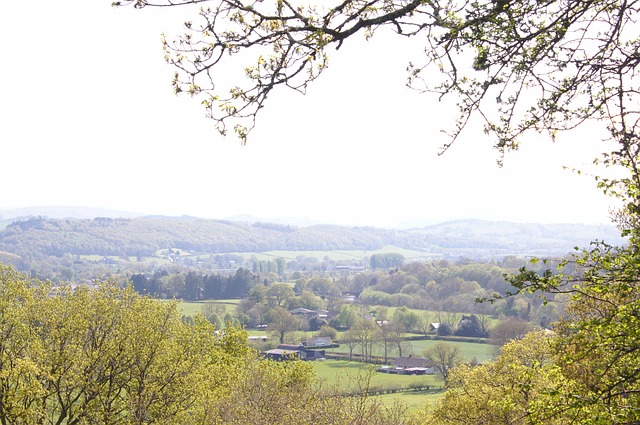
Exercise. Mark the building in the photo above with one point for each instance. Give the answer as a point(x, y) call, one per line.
point(293, 352)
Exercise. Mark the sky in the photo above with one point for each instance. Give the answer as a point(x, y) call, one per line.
point(88, 118)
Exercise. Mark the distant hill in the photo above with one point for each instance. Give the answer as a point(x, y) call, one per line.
point(145, 235)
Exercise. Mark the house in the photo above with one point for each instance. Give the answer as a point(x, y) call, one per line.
point(281, 354)
point(318, 341)
point(293, 352)
point(310, 313)
point(433, 327)
point(409, 366)
point(302, 311)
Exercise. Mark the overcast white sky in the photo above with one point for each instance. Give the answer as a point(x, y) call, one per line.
point(87, 118)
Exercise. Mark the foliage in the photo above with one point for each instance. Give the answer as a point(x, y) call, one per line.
point(73, 249)
point(386, 261)
point(470, 326)
point(597, 343)
point(519, 66)
point(443, 358)
point(282, 322)
point(508, 330)
point(194, 286)
point(107, 355)
point(510, 390)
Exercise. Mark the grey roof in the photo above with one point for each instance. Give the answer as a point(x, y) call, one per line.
point(409, 362)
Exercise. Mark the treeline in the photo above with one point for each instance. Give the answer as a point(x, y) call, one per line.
point(451, 288)
point(141, 237)
point(193, 286)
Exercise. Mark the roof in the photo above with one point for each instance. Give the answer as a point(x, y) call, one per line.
point(290, 347)
point(282, 353)
point(302, 310)
point(319, 339)
point(409, 362)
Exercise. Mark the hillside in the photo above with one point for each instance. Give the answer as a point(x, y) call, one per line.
point(145, 235)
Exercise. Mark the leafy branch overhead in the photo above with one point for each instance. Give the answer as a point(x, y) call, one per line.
point(520, 65)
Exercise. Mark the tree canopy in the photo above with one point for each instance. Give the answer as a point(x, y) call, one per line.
point(519, 65)
point(108, 355)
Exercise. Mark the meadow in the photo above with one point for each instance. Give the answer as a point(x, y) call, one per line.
point(470, 351)
point(353, 376)
point(191, 308)
point(339, 255)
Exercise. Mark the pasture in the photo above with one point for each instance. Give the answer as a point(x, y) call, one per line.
point(354, 376)
point(346, 374)
point(470, 351)
point(338, 255)
point(191, 308)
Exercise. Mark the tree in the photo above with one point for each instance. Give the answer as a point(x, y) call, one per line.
point(282, 322)
point(193, 286)
point(407, 318)
point(392, 336)
point(212, 312)
point(327, 331)
point(508, 390)
point(443, 356)
point(348, 315)
point(386, 261)
point(444, 329)
point(279, 293)
point(350, 339)
point(368, 334)
point(104, 355)
point(509, 329)
point(519, 65)
point(470, 326)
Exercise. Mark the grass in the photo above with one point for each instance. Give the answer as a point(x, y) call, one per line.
point(344, 374)
point(412, 400)
point(348, 375)
point(470, 351)
point(337, 254)
point(191, 308)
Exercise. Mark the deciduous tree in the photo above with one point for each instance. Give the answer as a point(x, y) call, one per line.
point(281, 322)
point(443, 356)
point(509, 390)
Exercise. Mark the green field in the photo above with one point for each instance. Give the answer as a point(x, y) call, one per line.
point(338, 254)
point(191, 308)
point(470, 351)
point(349, 376)
point(344, 373)
point(412, 400)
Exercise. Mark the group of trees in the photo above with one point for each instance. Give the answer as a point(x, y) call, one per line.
point(193, 286)
point(108, 355)
point(455, 287)
point(449, 290)
point(386, 261)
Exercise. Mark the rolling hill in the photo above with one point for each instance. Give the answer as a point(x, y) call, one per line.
point(145, 235)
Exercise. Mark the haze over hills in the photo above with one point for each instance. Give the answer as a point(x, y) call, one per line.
point(64, 212)
point(73, 231)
